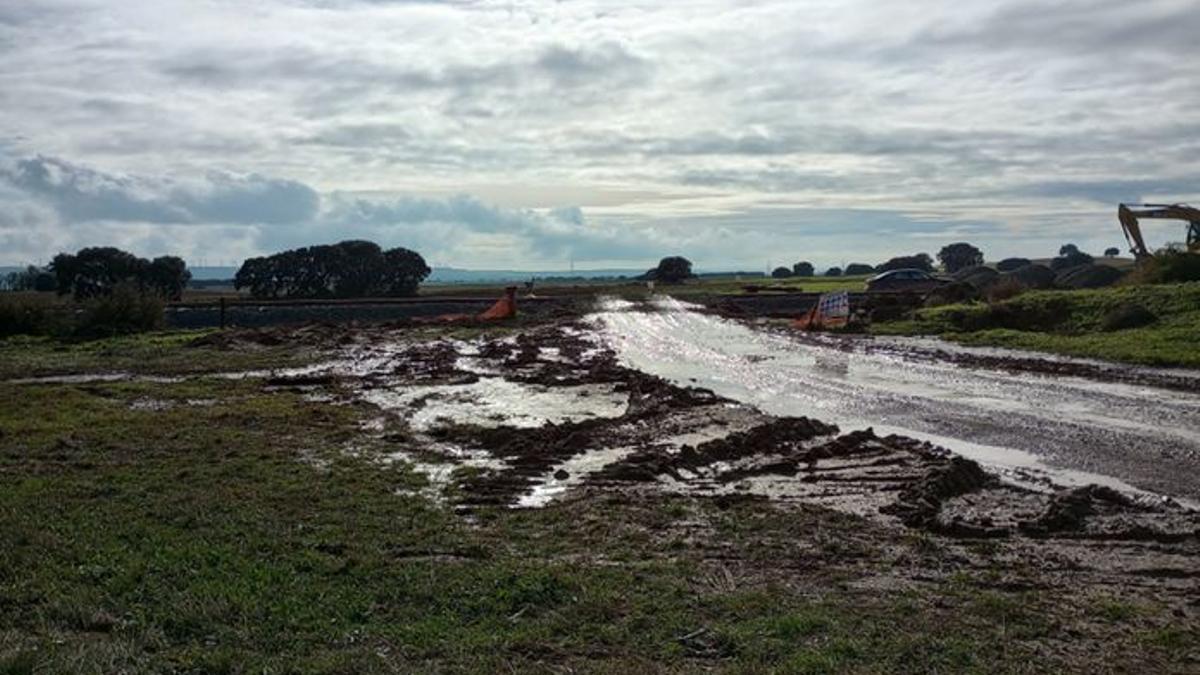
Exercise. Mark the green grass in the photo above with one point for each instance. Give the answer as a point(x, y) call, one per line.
point(1072, 323)
point(163, 353)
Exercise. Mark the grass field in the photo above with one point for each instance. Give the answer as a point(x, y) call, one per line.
point(1074, 323)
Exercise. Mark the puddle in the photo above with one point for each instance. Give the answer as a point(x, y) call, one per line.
point(571, 473)
point(494, 402)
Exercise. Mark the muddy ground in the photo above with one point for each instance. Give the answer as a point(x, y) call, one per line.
point(601, 428)
point(530, 497)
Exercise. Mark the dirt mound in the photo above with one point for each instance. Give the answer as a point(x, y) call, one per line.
point(977, 275)
point(1036, 277)
point(1068, 511)
point(1088, 276)
point(951, 294)
point(919, 504)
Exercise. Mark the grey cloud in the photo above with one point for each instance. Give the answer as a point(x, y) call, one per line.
point(82, 194)
point(561, 66)
point(1111, 191)
point(1089, 26)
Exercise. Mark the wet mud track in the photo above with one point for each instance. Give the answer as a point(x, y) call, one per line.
point(558, 414)
point(1050, 428)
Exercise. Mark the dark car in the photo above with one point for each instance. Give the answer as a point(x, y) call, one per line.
point(907, 280)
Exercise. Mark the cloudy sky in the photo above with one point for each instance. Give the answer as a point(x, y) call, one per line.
point(528, 133)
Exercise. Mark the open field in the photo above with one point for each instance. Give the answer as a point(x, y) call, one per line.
point(328, 499)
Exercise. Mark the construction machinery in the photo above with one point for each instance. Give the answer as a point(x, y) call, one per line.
point(1129, 214)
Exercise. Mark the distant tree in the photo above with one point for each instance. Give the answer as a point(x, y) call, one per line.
point(95, 271)
point(352, 268)
point(803, 269)
point(673, 270)
point(31, 278)
point(920, 261)
point(404, 271)
point(1112, 252)
point(781, 273)
point(1068, 249)
point(1010, 264)
point(858, 269)
point(1066, 262)
point(960, 255)
point(167, 276)
point(833, 272)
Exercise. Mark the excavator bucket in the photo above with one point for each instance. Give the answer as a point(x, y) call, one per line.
point(504, 308)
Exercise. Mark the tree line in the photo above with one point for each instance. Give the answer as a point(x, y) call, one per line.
point(352, 268)
point(347, 269)
point(96, 271)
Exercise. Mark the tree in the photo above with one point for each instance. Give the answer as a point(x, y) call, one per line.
point(673, 270)
point(167, 275)
point(833, 272)
point(32, 278)
point(1010, 264)
point(781, 273)
point(1112, 252)
point(960, 255)
point(858, 269)
point(920, 261)
point(405, 270)
point(1068, 249)
point(803, 269)
point(95, 272)
point(353, 268)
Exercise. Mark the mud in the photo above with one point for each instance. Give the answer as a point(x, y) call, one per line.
point(1037, 429)
point(667, 438)
point(933, 351)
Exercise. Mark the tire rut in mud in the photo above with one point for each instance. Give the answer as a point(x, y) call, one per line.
point(690, 441)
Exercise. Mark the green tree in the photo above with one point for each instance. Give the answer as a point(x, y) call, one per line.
point(673, 270)
point(960, 255)
point(781, 273)
point(353, 268)
point(803, 269)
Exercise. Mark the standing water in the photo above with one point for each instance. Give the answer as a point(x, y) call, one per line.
point(1032, 428)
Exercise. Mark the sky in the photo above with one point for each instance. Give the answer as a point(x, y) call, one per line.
point(533, 134)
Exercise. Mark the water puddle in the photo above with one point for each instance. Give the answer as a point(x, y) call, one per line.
point(494, 402)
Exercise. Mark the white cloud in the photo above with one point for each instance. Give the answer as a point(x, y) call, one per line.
point(721, 129)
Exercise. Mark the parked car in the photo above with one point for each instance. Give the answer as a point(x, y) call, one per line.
point(907, 280)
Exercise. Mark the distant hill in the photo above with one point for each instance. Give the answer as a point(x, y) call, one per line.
point(213, 273)
point(454, 275)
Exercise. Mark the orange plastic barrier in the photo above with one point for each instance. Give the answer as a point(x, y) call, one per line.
point(504, 308)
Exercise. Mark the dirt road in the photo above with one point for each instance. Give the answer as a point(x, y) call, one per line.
point(1031, 428)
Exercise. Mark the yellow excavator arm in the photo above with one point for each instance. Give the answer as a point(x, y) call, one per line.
point(1129, 214)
